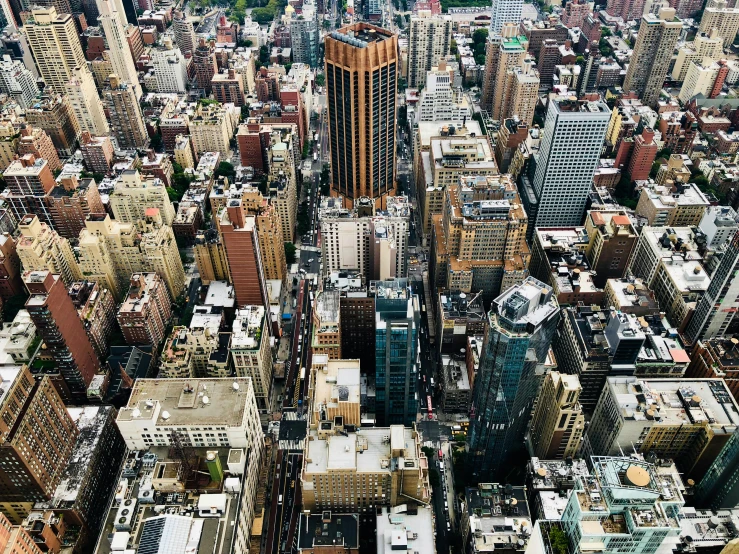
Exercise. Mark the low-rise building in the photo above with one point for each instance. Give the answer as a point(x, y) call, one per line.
point(677, 204)
point(411, 529)
point(335, 391)
point(549, 484)
point(456, 394)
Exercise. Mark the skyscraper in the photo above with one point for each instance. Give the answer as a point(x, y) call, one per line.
point(717, 308)
point(430, 37)
point(655, 44)
point(184, 34)
point(361, 78)
point(121, 58)
point(305, 35)
point(59, 325)
point(523, 321)
point(55, 45)
point(396, 352)
point(570, 149)
point(126, 120)
point(719, 487)
point(85, 102)
point(17, 82)
point(505, 11)
point(504, 51)
point(204, 60)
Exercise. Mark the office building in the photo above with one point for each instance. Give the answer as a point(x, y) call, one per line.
point(241, 243)
point(549, 484)
point(715, 311)
point(30, 181)
point(210, 257)
point(337, 461)
point(718, 489)
point(53, 113)
point(688, 420)
point(504, 11)
point(251, 353)
point(126, 119)
point(55, 44)
point(655, 43)
point(170, 67)
point(623, 501)
point(397, 316)
point(305, 35)
point(159, 408)
point(33, 415)
point(85, 102)
point(719, 225)
point(631, 295)
point(459, 316)
point(565, 167)
point(504, 51)
point(522, 323)
point(439, 101)
point(17, 82)
point(612, 238)
point(41, 248)
point(70, 204)
point(718, 15)
point(479, 242)
point(121, 58)
point(132, 196)
point(456, 394)
point(228, 87)
point(558, 422)
point(335, 391)
point(146, 310)
point(61, 329)
point(366, 54)
point(326, 329)
point(429, 39)
point(204, 61)
point(371, 241)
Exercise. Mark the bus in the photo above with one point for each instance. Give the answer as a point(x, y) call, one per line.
point(429, 407)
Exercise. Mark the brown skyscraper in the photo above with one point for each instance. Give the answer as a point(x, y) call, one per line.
point(61, 329)
point(36, 440)
point(361, 79)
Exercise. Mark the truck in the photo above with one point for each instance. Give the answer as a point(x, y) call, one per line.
point(315, 137)
point(315, 156)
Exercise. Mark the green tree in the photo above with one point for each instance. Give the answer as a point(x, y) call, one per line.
point(664, 153)
point(13, 305)
point(290, 253)
point(655, 169)
point(226, 169)
point(605, 48)
point(480, 36)
point(320, 80)
point(263, 53)
point(558, 540)
point(605, 32)
point(453, 47)
point(701, 181)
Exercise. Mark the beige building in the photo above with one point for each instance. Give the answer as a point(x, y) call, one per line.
point(251, 352)
point(212, 127)
point(282, 154)
point(132, 196)
point(8, 143)
point(210, 257)
point(183, 152)
point(448, 159)
point(655, 44)
point(40, 248)
point(520, 93)
point(351, 471)
point(326, 338)
point(126, 119)
point(504, 52)
point(85, 102)
point(197, 351)
point(705, 45)
point(558, 421)
point(430, 37)
point(335, 390)
point(269, 232)
point(699, 79)
point(722, 18)
point(55, 45)
point(111, 251)
point(679, 205)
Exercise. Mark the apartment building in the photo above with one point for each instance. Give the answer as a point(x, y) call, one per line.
point(251, 352)
point(430, 37)
point(40, 248)
point(146, 310)
point(132, 196)
point(212, 127)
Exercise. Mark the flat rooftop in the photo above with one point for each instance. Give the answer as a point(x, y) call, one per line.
point(405, 531)
point(361, 34)
point(180, 402)
point(328, 530)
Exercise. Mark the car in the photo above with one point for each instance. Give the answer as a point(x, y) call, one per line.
point(310, 260)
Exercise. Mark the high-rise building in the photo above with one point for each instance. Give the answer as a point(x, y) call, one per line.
point(133, 196)
point(326, 334)
point(504, 51)
point(115, 34)
point(716, 309)
point(269, 230)
point(558, 422)
point(705, 45)
point(239, 236)
point(305, 35)
point(170, 67)
point(397, 318)
point(55, 45)
point(96, 308)
point(362, 73)
point(701, 77)
point(718, 15)
point(612, 237)
point(184, 33)
point(228, 87)
point(564, 166)
point(251, 352)
point(126, 120)
point(204, 61)
point(719, 488)
point(29, 181)
point(17, 82)
point(146, 311)
point(628, 10)
point(53, 113)
point(430, 37)
point(210, 257)
point(85, 102)
point(71, 203)
point(37, 142)
point(41, 248)
point(212, 127)
point(655, 43)
point(636, 155)
point(439, 101)
point(373, 242)
point(523, 321)
point(52, 311)
point(505, 11)
point(520, 93)
point(37, 436)
point(688, 420)
point(10, 268)
point(197, 351)
point(97, 152)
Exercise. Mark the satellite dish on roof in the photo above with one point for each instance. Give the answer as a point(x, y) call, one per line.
point(165, 415)
point(235, 386)
point(206, 400)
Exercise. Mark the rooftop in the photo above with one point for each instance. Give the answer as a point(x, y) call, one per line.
point(335, 381)
point(247, 327)
point(328, 529)
point(361, 34)
point(411, 530)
